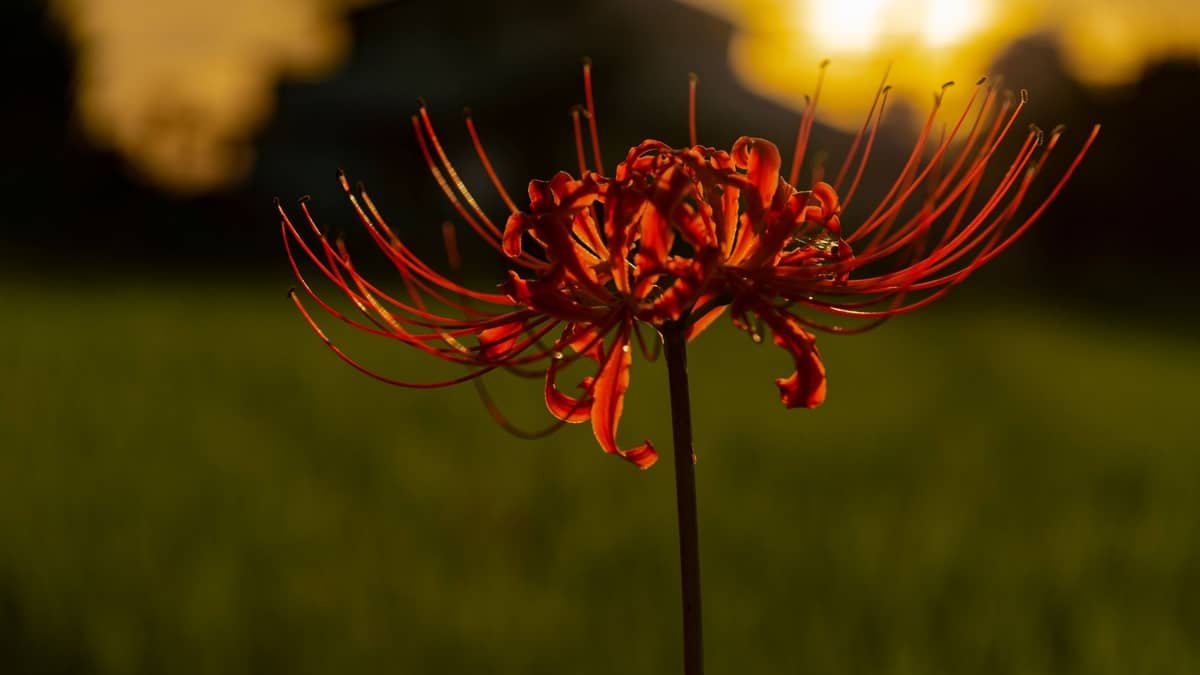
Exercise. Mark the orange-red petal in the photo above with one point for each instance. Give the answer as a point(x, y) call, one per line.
point(761, 159)
point(497, 342)
point(805, 387)
point(563, 407)
point(609, 400)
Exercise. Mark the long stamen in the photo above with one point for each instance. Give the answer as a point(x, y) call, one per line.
point(883, 209)
point(487, 163)
point(591, 110)
point(862, 164)
point(880, 91)
point(454, 178)
point(806, 122)
point(579, 151)
point(693, 79)
point(502, 420)
point(370, 373)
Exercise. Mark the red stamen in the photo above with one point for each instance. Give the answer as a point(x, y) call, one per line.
point(591, 114)
point(692, 80)
point(806, 122)
point(487, 163)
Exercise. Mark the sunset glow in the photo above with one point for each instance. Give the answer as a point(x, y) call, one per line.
point(777, 44)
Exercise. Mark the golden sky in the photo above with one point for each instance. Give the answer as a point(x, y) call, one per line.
point(779, 42)
point(179, 86)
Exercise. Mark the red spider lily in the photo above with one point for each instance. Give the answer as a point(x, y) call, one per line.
point(678, 235)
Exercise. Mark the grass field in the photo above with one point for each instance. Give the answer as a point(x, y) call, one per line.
point(190, 484)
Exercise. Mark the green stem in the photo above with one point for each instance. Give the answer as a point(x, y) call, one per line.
point(675, 338)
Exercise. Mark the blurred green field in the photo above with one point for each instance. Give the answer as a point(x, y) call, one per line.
point(190, 483)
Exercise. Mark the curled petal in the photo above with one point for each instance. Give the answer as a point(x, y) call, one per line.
point(805, 387)
point(563, 407)
point(517, 225)
point(497, 342)
point(541, 196)
point(609, 394)
point(585, 340)
point(761, 159)
point(680, 295)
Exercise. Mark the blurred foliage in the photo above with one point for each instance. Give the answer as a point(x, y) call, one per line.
point(191, 484)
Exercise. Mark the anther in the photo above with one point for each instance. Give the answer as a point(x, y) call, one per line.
point(1037, 131)
point(1024, 96)
point(421, 102)
point(981, 80)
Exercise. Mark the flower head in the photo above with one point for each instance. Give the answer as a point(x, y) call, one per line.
point(676, 236)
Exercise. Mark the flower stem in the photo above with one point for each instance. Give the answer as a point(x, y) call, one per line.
point(675, 338)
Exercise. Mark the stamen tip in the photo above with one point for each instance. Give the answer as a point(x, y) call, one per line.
point(277, 204)
point(467, 112)
point(305, 199)
point(1024, 96)
point(823, 64)
point(1039, 135)
point(587, 61)
point(981, 80)
point(947, 84)
point(291, 292)
point(693, 77)
point(421, 102)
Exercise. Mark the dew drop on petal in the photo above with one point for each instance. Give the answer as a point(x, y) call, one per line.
point(625, 348)
point(822, 240)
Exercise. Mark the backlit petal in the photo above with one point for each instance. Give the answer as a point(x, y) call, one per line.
point(496, 343)
point(609, 395)
point(564, 407)
point(805, 387)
